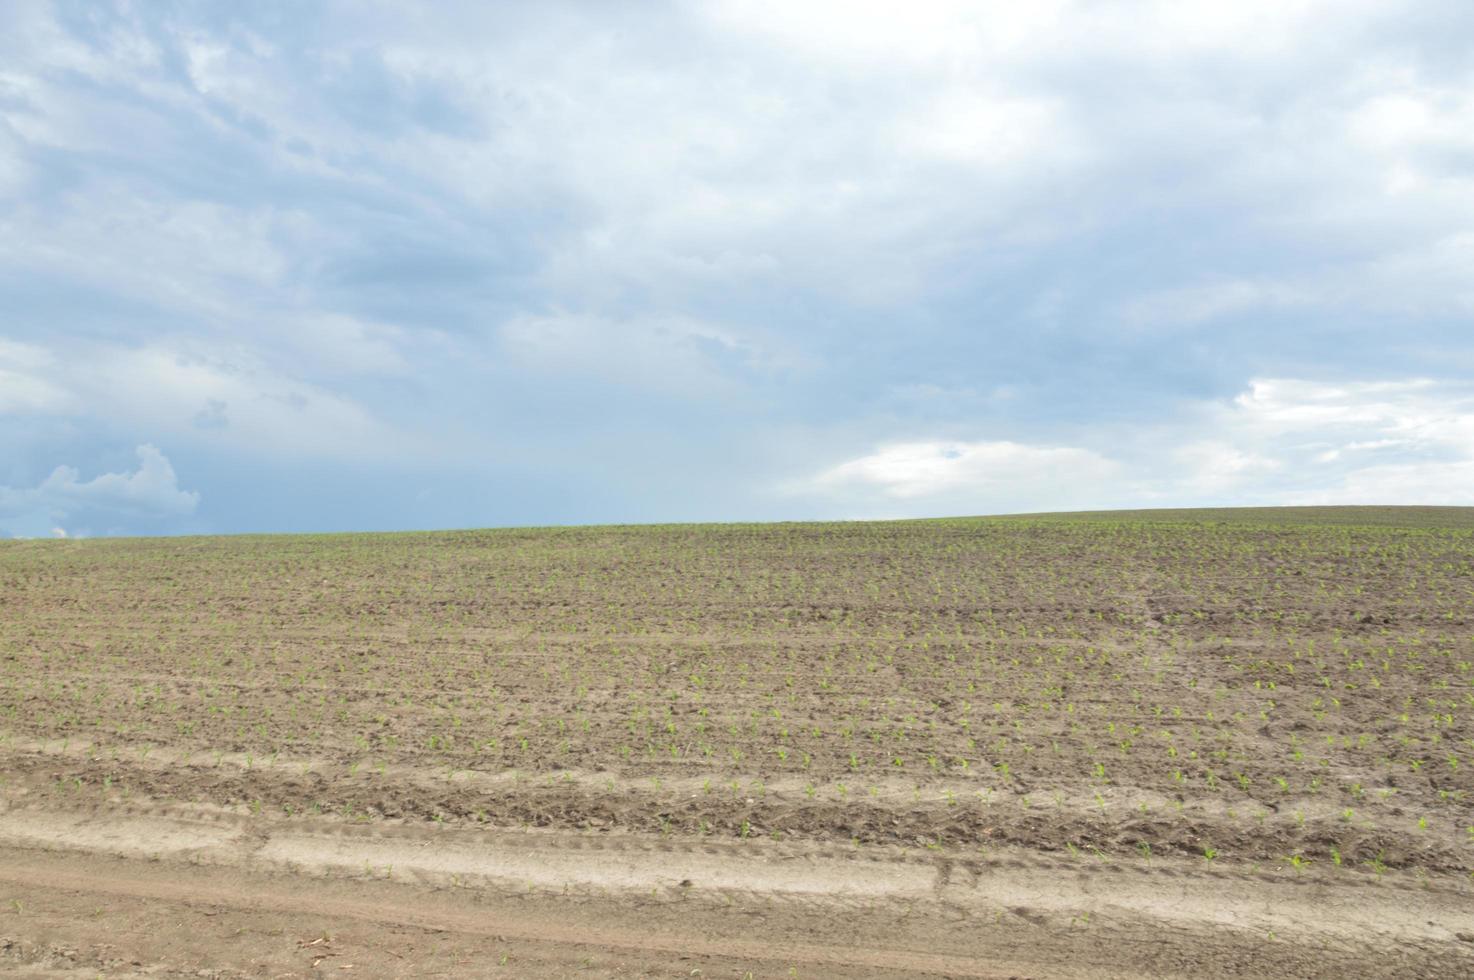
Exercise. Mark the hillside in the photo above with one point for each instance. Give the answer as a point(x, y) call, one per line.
point(866, 731)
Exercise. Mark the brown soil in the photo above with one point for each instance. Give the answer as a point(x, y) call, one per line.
point(1019, 748)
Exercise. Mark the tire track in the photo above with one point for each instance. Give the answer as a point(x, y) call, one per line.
point(260, 898)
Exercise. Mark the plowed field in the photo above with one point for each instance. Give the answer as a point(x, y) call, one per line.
point(1164, 743)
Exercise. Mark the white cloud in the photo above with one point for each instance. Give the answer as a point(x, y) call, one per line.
point(1417, 413)
point(1212, 466)
point(1410, 125)
point(1280, 441)
point(989, 131)
point(1291, 441)
point(151, 493)
point(1448, 483)
point(1407, 441)
point(938, 476)
point(152, 489)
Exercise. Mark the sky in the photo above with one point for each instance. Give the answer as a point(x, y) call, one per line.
point(371, 266)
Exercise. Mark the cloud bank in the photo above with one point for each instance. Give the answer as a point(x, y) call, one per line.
point(1280, 441)
point(150, 494)
point(378, 266)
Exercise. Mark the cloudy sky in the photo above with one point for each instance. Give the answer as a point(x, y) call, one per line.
point(371, 266)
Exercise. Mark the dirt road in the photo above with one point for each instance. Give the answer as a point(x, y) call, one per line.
point(163, 892)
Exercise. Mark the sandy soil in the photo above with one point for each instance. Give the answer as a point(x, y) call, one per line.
point(141, 891)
